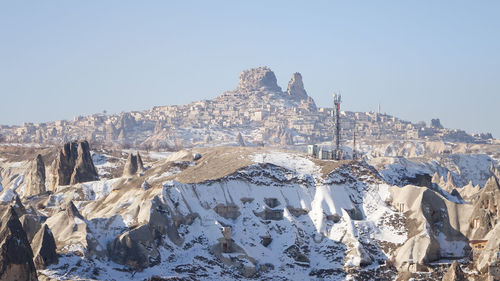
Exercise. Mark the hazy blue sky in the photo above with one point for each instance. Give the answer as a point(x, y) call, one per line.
point(419, 59)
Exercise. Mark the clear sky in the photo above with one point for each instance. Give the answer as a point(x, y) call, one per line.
point(418, 59)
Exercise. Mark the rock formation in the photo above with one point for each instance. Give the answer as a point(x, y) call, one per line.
point(450, 182)
point(135, 248)
point(495, 171)
point(140, 164)
point(491, 250)
point(36, 177)
point(454, 273)
point(71, 232)
point(436, 123)
point(84, 167)
point(432, 217)
point(133, 165)
point(44, 248)
point(74, 164)
point(16, 256)
point(18, 207)
point(239, 140)
point(308, 104)
point(258, 79)
point(486, 210)
point(31, 225)
point(296, 87)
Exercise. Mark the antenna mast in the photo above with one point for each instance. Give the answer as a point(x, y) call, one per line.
point(354, 142)
point(337, 99)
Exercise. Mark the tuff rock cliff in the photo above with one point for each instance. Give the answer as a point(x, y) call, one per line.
point(73, 164)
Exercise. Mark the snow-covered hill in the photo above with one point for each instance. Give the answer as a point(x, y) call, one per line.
point(290, 217)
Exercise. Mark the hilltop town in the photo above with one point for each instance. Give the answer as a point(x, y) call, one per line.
point(258, 109)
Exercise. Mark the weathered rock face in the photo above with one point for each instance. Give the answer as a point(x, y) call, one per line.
point(308, 104)
point(495, 171)
point(436, 123)
point(140, 164)
point(454, 273)
point(36, 177)
point(490, 251)
point(64, 164)
point(133, 165)
point(296, 87)
point(44, 248)
point(16, 256)
point(70, 232)
point(430, 218)
point(257, 79)
point(84, 167)
point(31, 225)
point(135, 248)
point(74, 164)
point(130, 167)
point(18, 207)
point(486, 210)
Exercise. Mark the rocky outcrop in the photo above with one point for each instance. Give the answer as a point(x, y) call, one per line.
point(450, 182)
point(44, 248)
point(71, 232)
point(135, 248)
point(74, 164)
point(133, 165)
point(469, 191)
point(434, 226)
point(454, 273)
point(491, 250)
point(16, 256)
point(436, 123)
point(84, 167)
point(296, 87)
point(64, 164)
point(18, 207)
point(308, 104)
point(494, 171)
point(35, 180)
point(125, 124)
point(31, 225)
point(486, 211)
point(140, 164)
point(258, 79)
point(239, 140)
point(130, 167)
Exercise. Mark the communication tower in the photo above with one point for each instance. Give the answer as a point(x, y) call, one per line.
point(337, 99)
point(354, 156)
